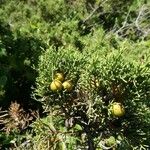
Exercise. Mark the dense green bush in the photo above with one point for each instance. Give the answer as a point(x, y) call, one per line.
point(122, 77)
point(101, 47)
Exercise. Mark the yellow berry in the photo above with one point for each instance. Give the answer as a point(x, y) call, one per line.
point(56, 85)
point(68, 86)
point(59, 76)
point(117, 109)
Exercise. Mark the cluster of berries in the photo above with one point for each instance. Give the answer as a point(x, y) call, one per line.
point(59, 83)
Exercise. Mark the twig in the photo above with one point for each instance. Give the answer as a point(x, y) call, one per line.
point(94, 10)
point(124, 23)
point(139, 16)
point(136, 24)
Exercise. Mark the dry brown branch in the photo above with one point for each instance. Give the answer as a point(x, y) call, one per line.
point(140, 24)
point(94, 11)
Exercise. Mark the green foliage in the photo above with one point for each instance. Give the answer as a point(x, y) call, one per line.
point(102, 47)
point(53, 135)
point(123, 77)
point(68, 61)
point(5, 140)
point(47, 134)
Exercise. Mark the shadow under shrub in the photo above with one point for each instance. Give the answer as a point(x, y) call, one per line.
point(16, 66)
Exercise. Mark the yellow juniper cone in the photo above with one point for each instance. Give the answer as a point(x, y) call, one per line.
point(110, 141)
point(117, 109)
point(59, 76)
point(56, 85)
point(68, 86)
point(95, 84)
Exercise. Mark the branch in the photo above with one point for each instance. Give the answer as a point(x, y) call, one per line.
point(142, 14)
point(93, 12)
point(138, 18)
point(124, 23)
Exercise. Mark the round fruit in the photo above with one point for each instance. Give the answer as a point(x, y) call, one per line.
point(110, 141)
point(56, 85)
point(59, 76)
point(68, 86)
point(117, 109)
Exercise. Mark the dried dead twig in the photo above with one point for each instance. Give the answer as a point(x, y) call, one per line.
point(140, 24)
point(94, 11)
point(143, 14)
point(14, 118)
